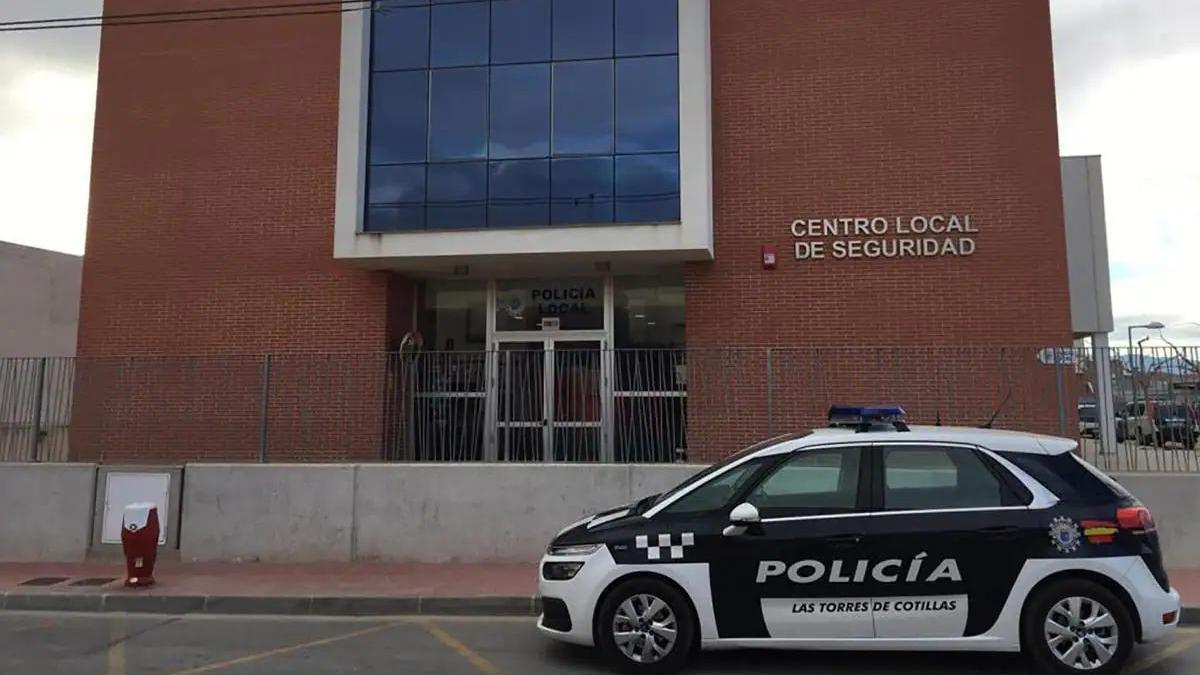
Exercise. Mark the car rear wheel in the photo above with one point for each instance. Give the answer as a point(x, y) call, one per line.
point(1077, 626)
point(645, 626)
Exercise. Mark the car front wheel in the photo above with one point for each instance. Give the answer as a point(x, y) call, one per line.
point(645, 626)
point(1077, 626)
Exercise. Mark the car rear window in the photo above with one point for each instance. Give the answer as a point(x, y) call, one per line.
point(1069, 477)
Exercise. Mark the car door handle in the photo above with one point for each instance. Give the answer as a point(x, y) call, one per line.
point(844, 541)
point(1000, 532)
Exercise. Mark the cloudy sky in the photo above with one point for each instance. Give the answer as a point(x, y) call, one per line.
point(1127, 89)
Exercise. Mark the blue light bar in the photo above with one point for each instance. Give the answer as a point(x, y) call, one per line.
point(865, 414)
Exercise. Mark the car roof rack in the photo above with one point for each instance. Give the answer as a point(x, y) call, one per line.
point(868, 418)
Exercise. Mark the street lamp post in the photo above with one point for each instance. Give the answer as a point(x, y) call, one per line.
point(1153, 325)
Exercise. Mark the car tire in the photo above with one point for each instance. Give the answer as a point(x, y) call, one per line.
point(632, 609)
point(1073, 605)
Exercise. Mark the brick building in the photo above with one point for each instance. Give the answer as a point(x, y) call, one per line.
point(535, 223)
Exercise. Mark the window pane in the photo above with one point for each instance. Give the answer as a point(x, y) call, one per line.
point(647, 188)
point(583, 108)
point(648, 104)
point(458, 114)
point(812, 482)
point(583, 29)
point(520, 31)
point(581, 190)
point(520, 111)
point(647, 27)
point(398, 109)
point(457, 195)
point(519, 193)
point(396, 195)
point(648, 314)
point(717, 493)
point(453, 317)
point(400, 38)
point(459, 35)
point(937, 478)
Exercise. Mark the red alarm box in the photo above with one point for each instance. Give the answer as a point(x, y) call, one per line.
point(139, 538)
point(770, 257)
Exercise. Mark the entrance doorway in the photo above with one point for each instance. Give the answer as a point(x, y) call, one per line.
point(551, 397)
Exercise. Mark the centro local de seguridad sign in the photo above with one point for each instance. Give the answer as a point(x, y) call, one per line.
point(884, 237)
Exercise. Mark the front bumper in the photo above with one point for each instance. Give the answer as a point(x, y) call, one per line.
point(578, 595)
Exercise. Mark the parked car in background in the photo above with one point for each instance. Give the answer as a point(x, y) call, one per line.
point(1175, 423)
point(1089, 423)
point(1157, 423)
point(1135, 425)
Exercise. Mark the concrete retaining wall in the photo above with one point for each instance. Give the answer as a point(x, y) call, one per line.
point(45, 511)
point(267, 512)
point(1175, 503)
point(473, 512)
point(405, 512)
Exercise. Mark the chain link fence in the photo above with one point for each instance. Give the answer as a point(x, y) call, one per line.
point(579, 403)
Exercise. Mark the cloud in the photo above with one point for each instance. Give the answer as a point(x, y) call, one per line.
point(47, 109)
point(1126, 71)
point(1091, 37)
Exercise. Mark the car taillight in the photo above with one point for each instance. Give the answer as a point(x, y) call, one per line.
point(1135, 519)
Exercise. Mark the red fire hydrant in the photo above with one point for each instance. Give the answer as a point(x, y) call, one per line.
point(139, 538)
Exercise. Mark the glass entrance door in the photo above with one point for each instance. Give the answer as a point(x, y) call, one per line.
point(551, 398)
point(576, 420)
point(521, 402)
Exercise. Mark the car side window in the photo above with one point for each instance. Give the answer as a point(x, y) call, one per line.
point(717, 493)
point(937, 477)
point(810, 483)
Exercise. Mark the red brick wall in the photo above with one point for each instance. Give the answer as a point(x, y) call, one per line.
point(828, 108)
point(211, 232)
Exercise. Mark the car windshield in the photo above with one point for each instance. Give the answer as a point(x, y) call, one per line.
point(1087, 413)
point(715, 468)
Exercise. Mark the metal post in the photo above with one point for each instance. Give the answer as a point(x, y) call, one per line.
point(1058, 377)
point(770, 396)
point(1105, 415)
point(266, 395)
point(39, 384)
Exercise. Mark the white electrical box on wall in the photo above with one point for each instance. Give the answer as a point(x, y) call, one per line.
point(123, 489)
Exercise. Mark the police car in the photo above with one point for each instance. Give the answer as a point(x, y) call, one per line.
point(870, 535)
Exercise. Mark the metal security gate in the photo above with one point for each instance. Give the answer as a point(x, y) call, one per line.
point(550, 397)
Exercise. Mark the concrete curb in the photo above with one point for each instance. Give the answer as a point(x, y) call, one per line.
point(304, 605)
point(279, 605)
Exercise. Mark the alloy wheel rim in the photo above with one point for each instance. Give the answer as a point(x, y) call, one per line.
point(1081, 633)
point(644, 628)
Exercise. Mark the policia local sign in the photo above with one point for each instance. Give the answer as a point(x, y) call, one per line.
point(926, 236)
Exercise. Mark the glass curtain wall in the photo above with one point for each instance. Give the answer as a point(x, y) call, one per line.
point(522, 113)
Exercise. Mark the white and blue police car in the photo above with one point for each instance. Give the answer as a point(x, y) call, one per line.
point(870, 535)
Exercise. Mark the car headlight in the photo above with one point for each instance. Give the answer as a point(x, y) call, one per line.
point(561, 571)
point(574, 549)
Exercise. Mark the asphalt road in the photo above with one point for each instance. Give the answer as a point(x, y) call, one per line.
point(82, 644)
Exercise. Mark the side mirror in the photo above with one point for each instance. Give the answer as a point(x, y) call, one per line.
point(744, 514)
point(743, 517)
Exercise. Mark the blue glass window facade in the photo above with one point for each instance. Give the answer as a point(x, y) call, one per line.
point(522, 113)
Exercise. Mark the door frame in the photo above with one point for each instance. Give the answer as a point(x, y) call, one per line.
point(495, 338)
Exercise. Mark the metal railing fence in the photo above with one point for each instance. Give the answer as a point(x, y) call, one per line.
point(577, 403)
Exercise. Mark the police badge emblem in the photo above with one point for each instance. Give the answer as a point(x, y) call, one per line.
point(1064, 534)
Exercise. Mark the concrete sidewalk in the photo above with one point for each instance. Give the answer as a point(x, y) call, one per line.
point(318, 589)
point(331, 589)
